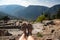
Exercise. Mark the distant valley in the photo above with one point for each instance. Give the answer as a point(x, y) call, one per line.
point(31, 12)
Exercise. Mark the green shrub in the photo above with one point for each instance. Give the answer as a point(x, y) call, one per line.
point(39, 34)
point(40, 18)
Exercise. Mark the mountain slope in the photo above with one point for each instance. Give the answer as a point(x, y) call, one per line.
point(11, 9)
point(54, 9)
point(32, 12)
point(2, 14)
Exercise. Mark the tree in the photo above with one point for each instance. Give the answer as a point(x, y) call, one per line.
point(6, 19)
point(58, 14)
point(53, 16)
point(40, 18)
point(48, 15)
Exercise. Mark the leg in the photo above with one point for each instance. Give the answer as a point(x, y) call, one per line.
point(30, 38)
point(29, 32)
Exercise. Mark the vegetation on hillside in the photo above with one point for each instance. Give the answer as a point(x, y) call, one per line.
point(40, 18)
point(58, 14)
point(39, 35)
point(5, 18)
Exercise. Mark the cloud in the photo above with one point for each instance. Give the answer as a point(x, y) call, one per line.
point(18, 2)
point(1, 0)
point(48, 3)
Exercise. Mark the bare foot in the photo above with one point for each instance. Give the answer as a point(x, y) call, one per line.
point(30, 38)
point(22, 37)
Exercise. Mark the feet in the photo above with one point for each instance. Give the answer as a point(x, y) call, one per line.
point(23, 37)
point(30, 38)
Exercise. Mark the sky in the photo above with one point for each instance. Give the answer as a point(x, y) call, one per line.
point(48, 3)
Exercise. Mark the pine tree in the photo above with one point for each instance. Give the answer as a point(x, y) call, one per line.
point(58, 14)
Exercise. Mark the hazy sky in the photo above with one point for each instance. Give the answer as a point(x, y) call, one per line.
point(48, 3)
